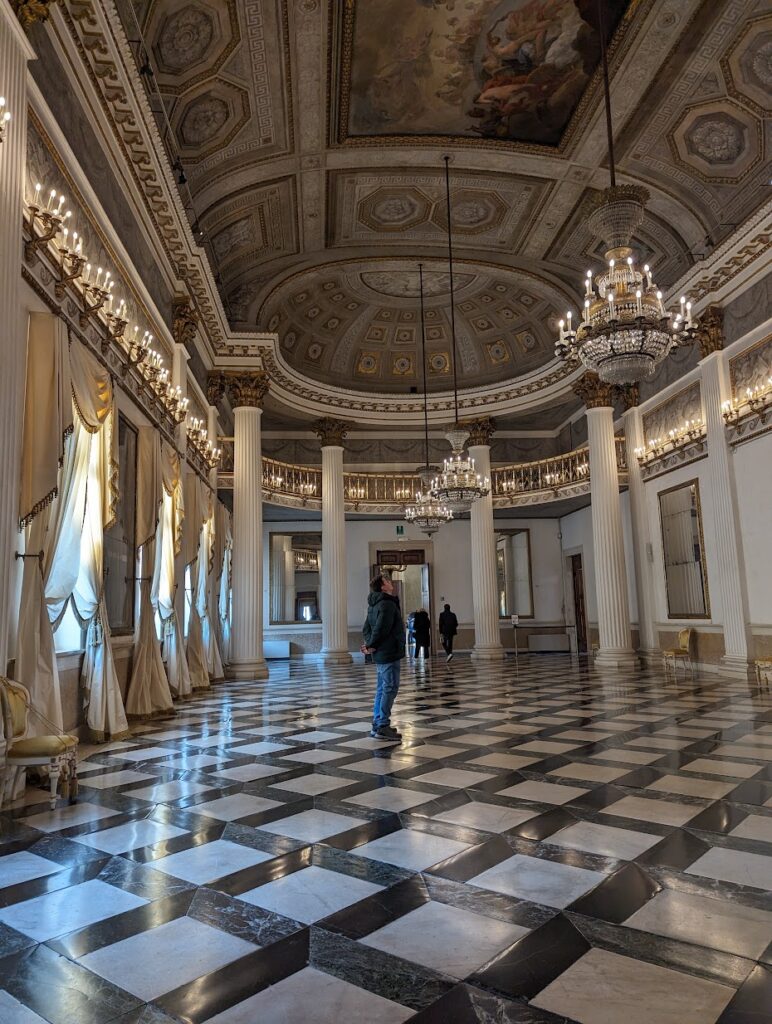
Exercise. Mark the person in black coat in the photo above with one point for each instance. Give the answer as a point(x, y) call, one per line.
point(384, 639)
point(448, 629)
point(422, 628)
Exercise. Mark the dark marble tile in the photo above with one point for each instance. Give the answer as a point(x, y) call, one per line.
point(241, 919)
point(467, 1005)
point(141, 880)
point(619, 896)
point(752, 1003)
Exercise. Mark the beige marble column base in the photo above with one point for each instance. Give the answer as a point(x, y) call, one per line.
point(335, 658)
point(737, 667)
point(494, 653)
point(248, 670)
point(613, 660)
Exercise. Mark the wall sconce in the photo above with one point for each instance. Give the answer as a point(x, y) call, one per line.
point(5, 117)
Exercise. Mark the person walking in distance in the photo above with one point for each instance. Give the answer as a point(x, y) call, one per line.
point(448, 629)
point(384, 638)
point(423, 628)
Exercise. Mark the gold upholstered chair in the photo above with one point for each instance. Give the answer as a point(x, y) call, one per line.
point(682, 653)
point(763, 671)
point(56, 752)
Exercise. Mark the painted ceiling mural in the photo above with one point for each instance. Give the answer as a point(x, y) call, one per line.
point(512, 70)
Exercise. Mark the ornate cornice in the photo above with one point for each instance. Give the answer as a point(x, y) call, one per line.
point(594, 392)
point(31, 11)
point(246, 387)
point(480, 431)
point(184, 322)
point(331, 431)
point(710, 336)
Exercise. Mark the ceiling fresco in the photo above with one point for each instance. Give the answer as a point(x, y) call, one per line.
point(312, 133)
point(513, 70)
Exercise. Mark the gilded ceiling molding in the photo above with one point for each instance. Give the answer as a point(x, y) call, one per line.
point(331, 431)
point(245, 387)
point(594, 392)
point(711, 331)
point(480, 431)
point(31, 11)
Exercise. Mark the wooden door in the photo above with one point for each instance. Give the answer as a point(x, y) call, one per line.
point(580, 615)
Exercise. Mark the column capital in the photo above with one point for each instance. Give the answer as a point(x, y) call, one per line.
point(215, 387)
point(184, 321)
point(629, 395)
point(245, 387)
point(331, 431)
point(31, 11)
point(480, 431)
point(594, 392)
point(710, 333)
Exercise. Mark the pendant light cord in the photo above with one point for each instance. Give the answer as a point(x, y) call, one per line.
point(423, 364)
point(452, 298)
point(606, 92)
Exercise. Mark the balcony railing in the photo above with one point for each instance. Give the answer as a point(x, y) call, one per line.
point(380, 488)
point(284, 479)
point(549, 475)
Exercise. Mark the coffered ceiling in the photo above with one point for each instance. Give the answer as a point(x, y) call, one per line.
point(312, 134)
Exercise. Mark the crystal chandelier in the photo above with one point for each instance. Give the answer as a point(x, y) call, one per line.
point(625, 331)
point(426, 512)
point(459, 485)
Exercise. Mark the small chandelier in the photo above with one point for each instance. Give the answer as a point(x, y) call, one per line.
point(625, 331)
point(426, 512)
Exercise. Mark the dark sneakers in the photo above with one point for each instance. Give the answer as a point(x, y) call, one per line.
point(385, 732)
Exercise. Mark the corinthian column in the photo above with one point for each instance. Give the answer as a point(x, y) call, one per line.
point(15, 51)
point(334, 590)
point(615, 651)
point(716, 389)
point(487, 639)
point(644, 577)
point(246, 391)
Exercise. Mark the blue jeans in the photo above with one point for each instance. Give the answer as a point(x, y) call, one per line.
point(386, 689)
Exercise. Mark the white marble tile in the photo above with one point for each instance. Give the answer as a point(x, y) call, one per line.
point(410, 849)
point(68, 910)
point(752, 869)
point(249, 772)
point(390, 798)
point(731, 769)
point(716, 923)
point(588, 772)
point(434, 751)
point(685, 786)
point(542, 792)
point(209, 861)
point(107, 780)
point(606, 988)
point(313, 785)
point(509, 762)
point(315, 736)
point(312, 826)
point(544, 746)
point(67, 817)
point(381, 765)
point(130, 836)
point(625, 756)
point(454, 778)
point(605, 840)
point(447, 939)
point(313, 997)
point(238, 805)
point(166, 792)
point(16, 868)
point(225, 738)
point(755, 826)
point(14, 1012)
point(315, 756)
point(162, 959)
point(475, 739)
point(310, 894)
point(538, 880)
point(260, 748)
point(486, 817)
point(147, 753)
point(662, 812)
point(193, 762)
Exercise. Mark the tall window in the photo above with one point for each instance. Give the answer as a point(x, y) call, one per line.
point(120, 552)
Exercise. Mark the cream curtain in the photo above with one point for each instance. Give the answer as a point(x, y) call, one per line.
point(195, 514)
point(223, 571)
point(206, 595)
point(168, 544)
point(148, 692)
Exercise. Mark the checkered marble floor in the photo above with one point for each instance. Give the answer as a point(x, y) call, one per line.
point(544, 846)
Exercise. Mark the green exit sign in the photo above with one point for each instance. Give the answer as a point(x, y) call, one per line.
point(401, 530)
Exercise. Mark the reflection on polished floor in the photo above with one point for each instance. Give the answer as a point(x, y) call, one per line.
point(545, 846)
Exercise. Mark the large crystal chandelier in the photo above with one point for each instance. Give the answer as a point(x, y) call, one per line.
point(625, 331)
point(459, 485)
point(426, 512)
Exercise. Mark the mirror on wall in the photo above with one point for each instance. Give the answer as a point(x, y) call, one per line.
point(686, 581)
point(513, 573)
point(294, 577)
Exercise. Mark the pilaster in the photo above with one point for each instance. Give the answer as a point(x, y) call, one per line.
point(333, 571)
point(487, 639)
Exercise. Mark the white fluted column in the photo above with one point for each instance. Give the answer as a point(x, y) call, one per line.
point(615, 650)
point(289, 582)
point(247, 661)
point(644, 577)
point(278, 580)
point(729, 562)
point(15, 51)
point(333, 572)
point(180, 379)
point(487, 638)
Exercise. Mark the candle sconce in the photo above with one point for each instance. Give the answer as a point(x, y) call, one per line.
point(71, 264)
point(137, 351)
point(95, 294)
point(49, 219)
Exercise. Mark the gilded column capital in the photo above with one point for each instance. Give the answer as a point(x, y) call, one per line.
point(628, 394)
point(246, 387)
point(215, 387)
point(710, 332)
point(594, 392)
point(331, 431)
point(184, 322)
point(480, 431)
point(31, 11)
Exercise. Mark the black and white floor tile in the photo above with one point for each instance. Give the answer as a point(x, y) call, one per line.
point(544, 846)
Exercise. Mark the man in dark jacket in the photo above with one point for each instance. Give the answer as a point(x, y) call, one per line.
point(448, 629)
point(384, 636)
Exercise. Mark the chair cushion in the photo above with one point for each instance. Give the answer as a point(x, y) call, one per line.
point(42, 746)
point(17, 705)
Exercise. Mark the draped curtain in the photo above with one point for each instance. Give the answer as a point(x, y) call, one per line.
point(168, 544)
point(206, 593)
point(196, 512)
point(148, 692)
point(68, 416)
point(222, 566)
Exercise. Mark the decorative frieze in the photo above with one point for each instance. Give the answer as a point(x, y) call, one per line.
point(676, 415)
